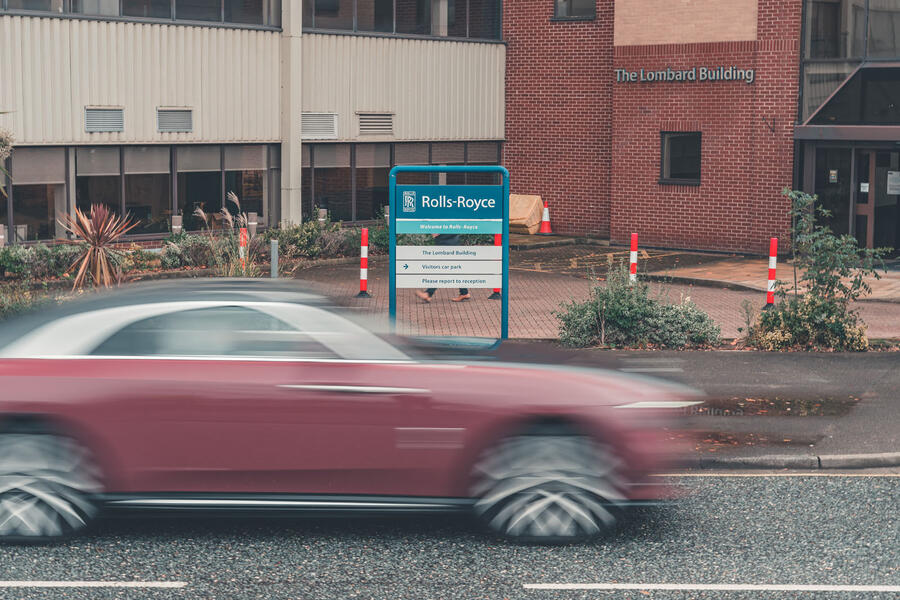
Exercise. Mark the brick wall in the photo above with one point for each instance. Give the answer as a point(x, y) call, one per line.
point(591, 147)
point(747, 140)
point(559, 111)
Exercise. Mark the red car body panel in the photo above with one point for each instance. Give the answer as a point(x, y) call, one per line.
point(172, 425)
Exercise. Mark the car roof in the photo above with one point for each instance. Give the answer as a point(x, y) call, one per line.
point(193, 289)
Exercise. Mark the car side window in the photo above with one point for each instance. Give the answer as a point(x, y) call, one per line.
point(231, 331)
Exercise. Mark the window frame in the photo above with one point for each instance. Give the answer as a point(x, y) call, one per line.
point(663, 157)
point(67, 13)
point(353, 179)
point(312, 28)
point(265, 219)
point(564, 18)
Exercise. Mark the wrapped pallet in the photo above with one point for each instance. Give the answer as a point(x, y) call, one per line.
point(525, 213)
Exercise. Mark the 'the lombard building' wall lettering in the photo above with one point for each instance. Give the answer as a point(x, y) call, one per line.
point(691, 75)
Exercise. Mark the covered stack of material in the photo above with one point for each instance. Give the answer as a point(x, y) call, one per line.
point(525, 213)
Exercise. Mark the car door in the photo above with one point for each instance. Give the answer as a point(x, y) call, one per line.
point(257, 397)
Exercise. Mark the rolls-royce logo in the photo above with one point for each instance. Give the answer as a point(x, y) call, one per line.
point(409, 201)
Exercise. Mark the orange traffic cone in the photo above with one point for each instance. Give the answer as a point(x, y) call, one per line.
point(545, 222)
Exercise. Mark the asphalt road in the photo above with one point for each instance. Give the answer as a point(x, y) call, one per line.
point(745, 530)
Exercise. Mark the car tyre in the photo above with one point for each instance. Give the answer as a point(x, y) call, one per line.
point(46, 484)
point(549, 487)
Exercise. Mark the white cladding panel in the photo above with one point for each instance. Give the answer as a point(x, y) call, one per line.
point(51, 68)
point(435, 89)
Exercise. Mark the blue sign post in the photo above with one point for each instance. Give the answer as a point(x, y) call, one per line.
point(453, 210)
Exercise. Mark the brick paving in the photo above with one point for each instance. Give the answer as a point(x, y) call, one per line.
point(753, 272)
point(534, 297)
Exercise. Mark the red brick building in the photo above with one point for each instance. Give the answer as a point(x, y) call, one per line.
point(684, 121)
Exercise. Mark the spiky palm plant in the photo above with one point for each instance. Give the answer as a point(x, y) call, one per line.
point(100, 231)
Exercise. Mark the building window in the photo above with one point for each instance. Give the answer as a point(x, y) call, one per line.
point(97, 178)
point(884, 29)
point(199, 185)
point(478, 19)
point(840, 35)
point(332, 188)
point(575, 9)
point(56, 6)
point(38, 193)
point(154, 9)
point(148, 187)
point(373, 165)
point(240, 12)
point(351, 180)
point(106, 8)
point(680, 159)
point(245, 175)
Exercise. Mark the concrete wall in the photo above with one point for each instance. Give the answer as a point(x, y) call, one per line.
point(437, 90)
point(51, 68)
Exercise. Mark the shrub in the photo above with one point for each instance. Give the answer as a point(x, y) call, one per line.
point(832, 271)
point(12, 261)
point(38, 261)
point(18, 297)
point(137, 259)
point(186, 250)
point(624, 314)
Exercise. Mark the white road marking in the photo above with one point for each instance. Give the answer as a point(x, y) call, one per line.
point(720, 587)
point(806, 474)
point(661, 404)
point(93, 584)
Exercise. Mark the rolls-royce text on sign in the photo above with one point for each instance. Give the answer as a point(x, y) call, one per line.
point(450, 209)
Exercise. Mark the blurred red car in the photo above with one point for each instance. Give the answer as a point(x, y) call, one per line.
point(259, 395)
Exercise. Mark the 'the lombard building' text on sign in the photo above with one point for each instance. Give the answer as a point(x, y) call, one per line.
point(692, 75)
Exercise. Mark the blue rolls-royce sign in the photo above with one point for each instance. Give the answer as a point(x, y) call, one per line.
point(450, 209)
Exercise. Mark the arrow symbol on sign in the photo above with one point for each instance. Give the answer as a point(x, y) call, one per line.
point(405, 267)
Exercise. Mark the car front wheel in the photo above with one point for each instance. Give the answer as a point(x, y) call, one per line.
point(46, 482)
point(551, 488)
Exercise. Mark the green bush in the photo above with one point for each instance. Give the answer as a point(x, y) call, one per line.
point(832, 271)
point(18, 297)
point(187, 250)
point(38, 261)
point(624, 314)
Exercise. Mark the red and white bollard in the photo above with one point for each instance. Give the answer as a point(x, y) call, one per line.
point(632, 268)
point(364, 265)
point(498, 241)
point(243, 240)
point(773, 263)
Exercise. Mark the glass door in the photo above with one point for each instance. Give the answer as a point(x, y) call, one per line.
point(862, 190)
point(876, 205)
point(886, 199)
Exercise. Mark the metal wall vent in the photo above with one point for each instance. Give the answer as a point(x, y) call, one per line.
point(104, 119)
point(376, 124)
point(319, 126)
point(170, 120)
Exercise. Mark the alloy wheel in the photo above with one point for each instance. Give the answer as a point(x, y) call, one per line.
point(45, 486)
point(552, 488)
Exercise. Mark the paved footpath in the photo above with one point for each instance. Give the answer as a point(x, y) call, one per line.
point(534, 297)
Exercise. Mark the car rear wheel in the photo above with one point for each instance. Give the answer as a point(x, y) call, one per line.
point(548, 487)
point(45, 485)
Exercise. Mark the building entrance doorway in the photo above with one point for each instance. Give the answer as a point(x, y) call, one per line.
point(876, 206)
point(861, 189)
